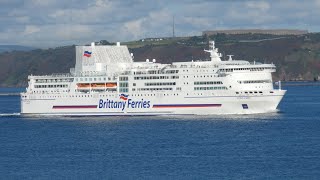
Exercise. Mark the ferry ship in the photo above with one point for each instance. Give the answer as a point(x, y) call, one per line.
point(106, 81)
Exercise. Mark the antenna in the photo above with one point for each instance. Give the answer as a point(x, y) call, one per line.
point(224, 56)
point(173, 35)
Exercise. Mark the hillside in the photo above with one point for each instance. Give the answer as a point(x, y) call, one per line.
point(9, 48)
point(16, 66)
point(296, 57)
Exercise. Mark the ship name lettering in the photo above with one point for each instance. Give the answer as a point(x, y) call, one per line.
point(110, 104)
point(138, 104)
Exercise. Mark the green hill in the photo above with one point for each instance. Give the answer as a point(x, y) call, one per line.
point(296, 57)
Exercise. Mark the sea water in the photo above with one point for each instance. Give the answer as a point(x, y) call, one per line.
point(282, 145)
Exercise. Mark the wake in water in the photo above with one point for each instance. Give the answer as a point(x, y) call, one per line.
point(9, 114)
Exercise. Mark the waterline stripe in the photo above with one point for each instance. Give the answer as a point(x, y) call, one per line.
point(184, 105)
point(75, 107)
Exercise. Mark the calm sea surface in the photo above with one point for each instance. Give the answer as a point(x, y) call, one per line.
point(283, 145)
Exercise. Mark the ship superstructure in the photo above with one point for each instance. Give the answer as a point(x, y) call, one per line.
point(106, 81)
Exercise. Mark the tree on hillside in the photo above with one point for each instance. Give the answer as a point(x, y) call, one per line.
point(105, 42)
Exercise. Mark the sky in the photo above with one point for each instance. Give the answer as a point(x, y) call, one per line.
point(53, 23)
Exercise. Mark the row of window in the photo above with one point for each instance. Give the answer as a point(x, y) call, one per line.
point(154, 89)
point(205, 70)
point(156, 72)
point(123, 78)
point(219, 75)
point(253, 92)
point(51, 91)
point(160, 84)
point(250, 92)
point(172, 71)
point(207, 82)
point(142, 95)
point(156, 77)
point(123, 90)
point(123, 84)
point(90, 96)
point(51, 86)
point(92, 79)
point(210, 88)
point(240, 69)
point(254, 81)
point(53, 80)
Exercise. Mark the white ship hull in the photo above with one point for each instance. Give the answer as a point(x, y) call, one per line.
point(102, 105)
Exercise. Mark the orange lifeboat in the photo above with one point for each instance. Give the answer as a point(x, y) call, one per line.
point(83, 85)
point(98, 85)
point(111, 85)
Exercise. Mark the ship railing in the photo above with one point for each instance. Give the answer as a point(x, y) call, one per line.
point(61, 75)
point(90, 73)
point(143, 67)
point(52, 75)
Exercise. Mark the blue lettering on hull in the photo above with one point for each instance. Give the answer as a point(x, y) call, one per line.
point(127, 103)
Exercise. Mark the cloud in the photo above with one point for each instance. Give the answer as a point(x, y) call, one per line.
point(22, 19)
point(258, 5)
point(30, 29)
point(50, 23)
point(135, 28)
point(317, 2)
point(43, 3)
point(73, 31)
